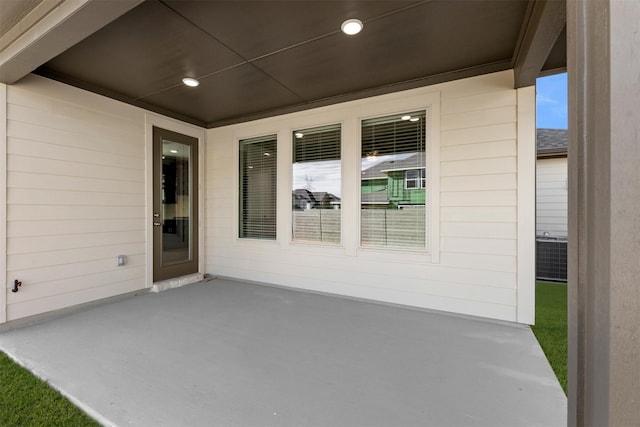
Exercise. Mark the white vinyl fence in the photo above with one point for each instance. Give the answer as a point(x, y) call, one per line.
point(402, 228)
point(318, 225)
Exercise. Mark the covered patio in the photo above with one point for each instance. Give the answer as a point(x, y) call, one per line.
point(230, 353)
point(84, 83)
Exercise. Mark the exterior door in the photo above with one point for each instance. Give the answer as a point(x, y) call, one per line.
point(175, 205)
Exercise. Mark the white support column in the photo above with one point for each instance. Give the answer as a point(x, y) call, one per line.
point(526, 292)
point(604, 212)
point(3, 202)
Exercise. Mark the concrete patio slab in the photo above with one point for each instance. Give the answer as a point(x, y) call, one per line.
point(228, 353)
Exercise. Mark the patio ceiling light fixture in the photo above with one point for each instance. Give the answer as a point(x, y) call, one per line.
point(371, 155)
point(352, 26)
point(188, 81)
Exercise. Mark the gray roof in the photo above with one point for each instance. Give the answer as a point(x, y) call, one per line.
point(304, 194)
point(314, 197)
point(379, 170)
point(551, 142)
point(321, 195)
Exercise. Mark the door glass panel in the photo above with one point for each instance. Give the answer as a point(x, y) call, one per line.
point(176, 203)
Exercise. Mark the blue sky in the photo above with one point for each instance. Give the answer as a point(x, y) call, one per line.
point(551, 102)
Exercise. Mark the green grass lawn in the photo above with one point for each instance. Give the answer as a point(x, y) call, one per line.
point(551, 326)
point(28, 401)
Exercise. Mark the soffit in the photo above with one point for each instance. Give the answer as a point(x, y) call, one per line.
point(260, 58)
point(14, 11)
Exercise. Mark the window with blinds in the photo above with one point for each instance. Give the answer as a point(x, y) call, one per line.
point(393, 185)
point(316, 193)
point(257, 195)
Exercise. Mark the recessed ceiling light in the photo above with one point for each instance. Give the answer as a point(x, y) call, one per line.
point(414, 119)
point(299, 134)
point(190, 82)
point(352, 26)
point(267, 154)
point(174, 151)
point(405, 117)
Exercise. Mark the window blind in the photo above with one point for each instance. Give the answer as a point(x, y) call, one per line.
point(392, 135)
point(316, 184)
point(393, 212)
point(316, 144)
point(258, 187)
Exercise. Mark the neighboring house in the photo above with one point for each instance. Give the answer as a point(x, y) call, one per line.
point(551, 204)
point(401, 182)
point(551, 183)
point(325, 200)
point(378, 199)
point(304, 199)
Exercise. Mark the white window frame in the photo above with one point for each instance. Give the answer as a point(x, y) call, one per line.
point(420, 180)
point(350, 115)
point(430, 225)
point(400, 103)
point(293, 240)
point(238, 184)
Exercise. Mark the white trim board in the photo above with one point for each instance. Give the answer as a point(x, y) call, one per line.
point(526, 204)
point(3, 201)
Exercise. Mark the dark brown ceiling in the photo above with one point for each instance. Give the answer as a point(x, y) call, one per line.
point(261, 58)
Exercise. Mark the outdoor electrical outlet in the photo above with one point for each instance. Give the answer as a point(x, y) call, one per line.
point(122, 260)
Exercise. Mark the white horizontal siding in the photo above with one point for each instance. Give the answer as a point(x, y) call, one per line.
point(551, 197)
point(479, 198)
point(464, 102)
point(488, 230)
point(476, 206)
point(75, 197)
point(76, 186)
point(486, 182)
point(479, 167)
point(25, 307)
point(474, 135)
point(480, 150)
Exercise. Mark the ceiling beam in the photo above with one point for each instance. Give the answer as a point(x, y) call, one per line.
point(50, 29)
point(542, 26)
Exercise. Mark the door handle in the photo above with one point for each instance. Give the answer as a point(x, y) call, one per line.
point(157, 224)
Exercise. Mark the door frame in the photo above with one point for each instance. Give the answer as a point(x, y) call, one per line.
point(151, 120)
point(160, 272)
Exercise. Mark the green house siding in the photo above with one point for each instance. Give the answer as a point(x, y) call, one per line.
point(398, 195)
point(373, 185)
